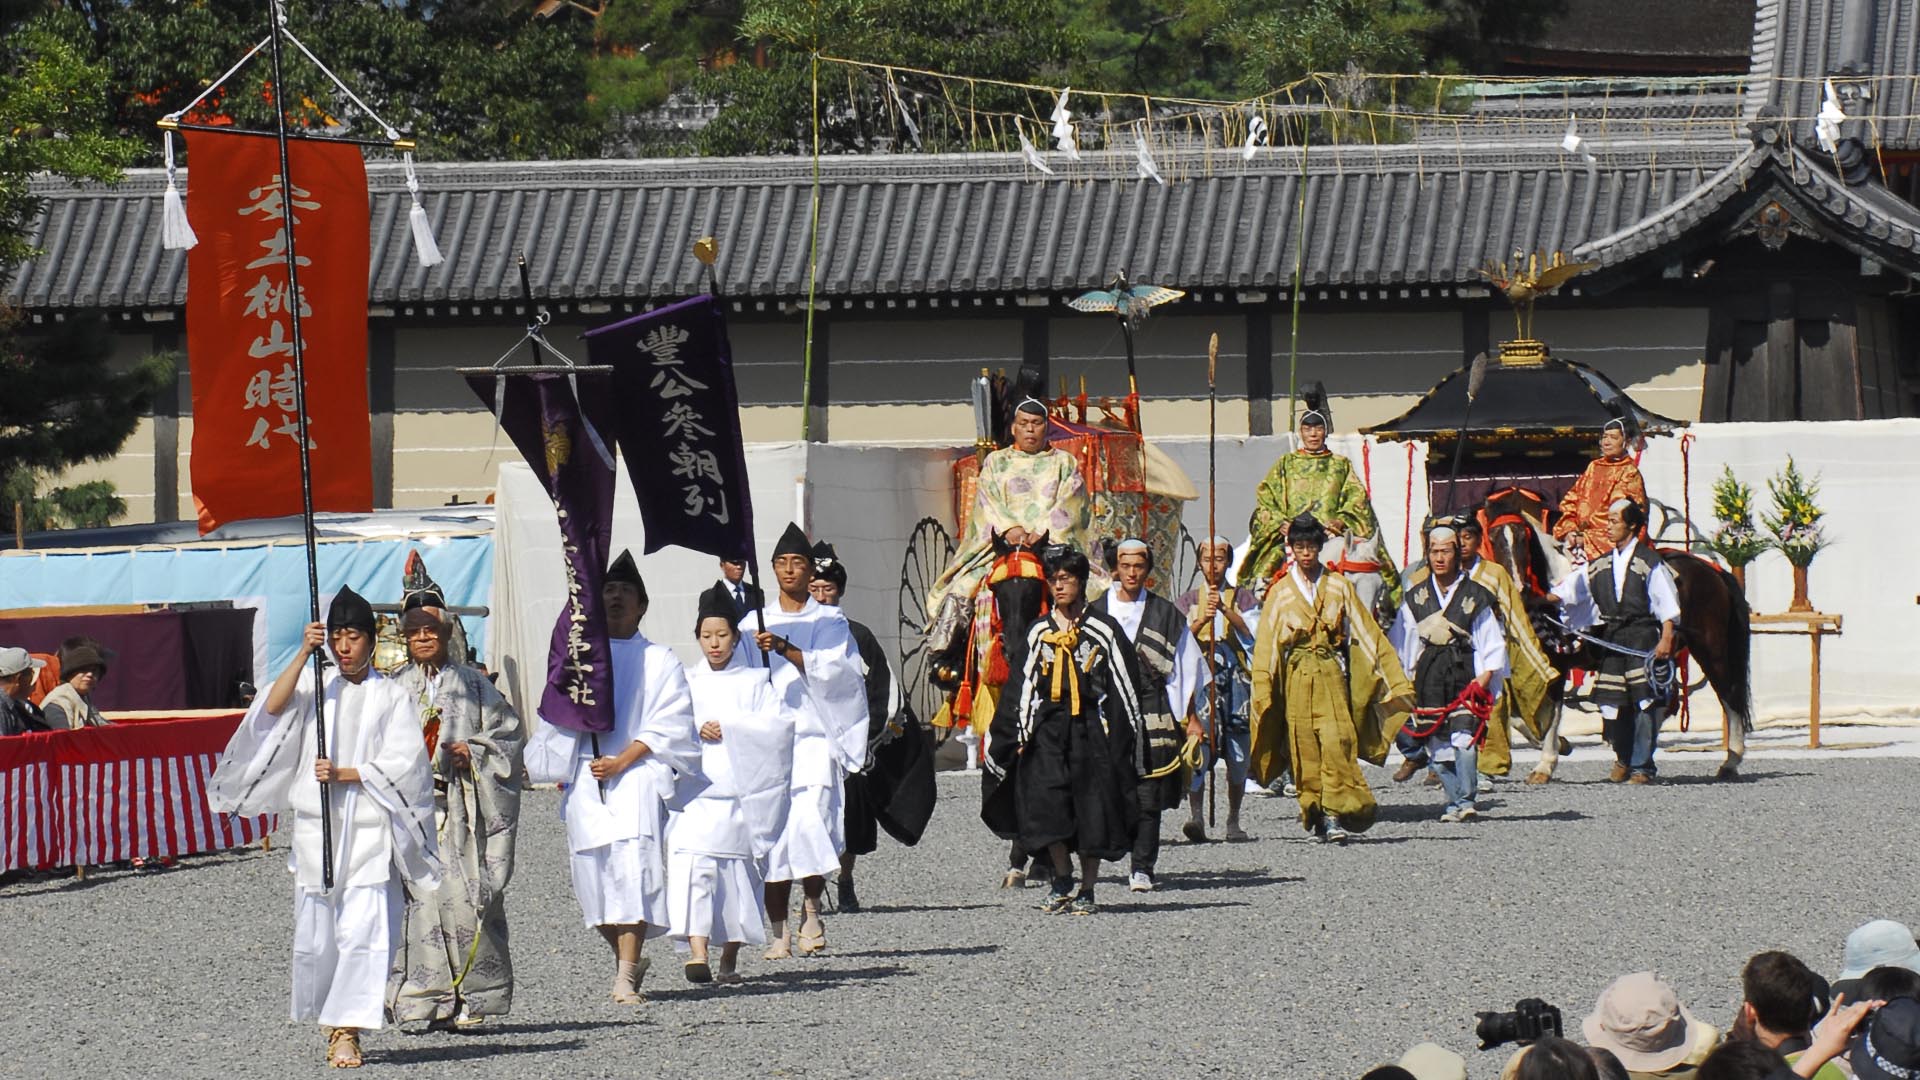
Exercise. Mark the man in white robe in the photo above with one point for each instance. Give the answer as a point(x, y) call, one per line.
point(817, 666)
point(615, 805)
point(377, 793)
point(725, 825)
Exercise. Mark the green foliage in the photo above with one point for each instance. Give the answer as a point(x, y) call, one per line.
point(64, 403)
point(1795, 521)
point(1736, 540)
point(92, 505)
point(469, 81)
point(53, 104)
point(770, 110)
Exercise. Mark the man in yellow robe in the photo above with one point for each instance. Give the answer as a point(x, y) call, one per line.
point(1583, 510)
point(1309, 709)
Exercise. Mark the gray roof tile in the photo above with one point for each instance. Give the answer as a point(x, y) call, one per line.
point(902, 226)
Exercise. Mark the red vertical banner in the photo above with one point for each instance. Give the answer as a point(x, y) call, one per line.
point(246, 454)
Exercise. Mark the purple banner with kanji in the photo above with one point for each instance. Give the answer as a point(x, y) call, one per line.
point(679, 426)
point(548, 422)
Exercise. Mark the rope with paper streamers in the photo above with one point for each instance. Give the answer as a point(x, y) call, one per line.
point(177, 234)
point(898, 107)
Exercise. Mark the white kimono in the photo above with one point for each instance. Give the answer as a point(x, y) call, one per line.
point(383, 832)
point(1188, 676)
point(618, 836)
point(830, 740)
point(727, 822)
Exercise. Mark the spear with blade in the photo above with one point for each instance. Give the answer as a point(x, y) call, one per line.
point(1476, 378)
point(1213, 530)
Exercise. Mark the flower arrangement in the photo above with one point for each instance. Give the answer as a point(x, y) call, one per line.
point(1736, 540)
point(1795, 521)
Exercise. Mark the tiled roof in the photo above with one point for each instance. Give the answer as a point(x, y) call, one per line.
point(1866, 219)
point(926, 225)
point(1797, 45)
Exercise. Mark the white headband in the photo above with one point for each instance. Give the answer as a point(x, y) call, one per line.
point(1620, 503)
point(1442, 532)
point(1616, 422)
point(1131, 544)
point(1039, 407)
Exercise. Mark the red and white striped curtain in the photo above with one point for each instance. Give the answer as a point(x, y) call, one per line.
point(125, 791)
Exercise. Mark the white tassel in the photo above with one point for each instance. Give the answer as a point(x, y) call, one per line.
point(423, 245)
point(176, 233)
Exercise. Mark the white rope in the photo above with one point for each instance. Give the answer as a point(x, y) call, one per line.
point(242, 62)
point(385, 127)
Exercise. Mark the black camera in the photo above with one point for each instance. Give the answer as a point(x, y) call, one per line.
point(1531, 1019)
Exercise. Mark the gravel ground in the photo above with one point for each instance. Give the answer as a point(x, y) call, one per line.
point(1275, 957)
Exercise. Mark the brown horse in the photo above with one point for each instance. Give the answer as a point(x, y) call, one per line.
point(1713, 627)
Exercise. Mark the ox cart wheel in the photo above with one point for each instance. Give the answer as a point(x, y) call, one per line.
point(929, 552)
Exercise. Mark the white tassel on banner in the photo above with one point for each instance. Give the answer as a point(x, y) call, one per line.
point(423, 243)
point(1032, 155)
point(176, 233)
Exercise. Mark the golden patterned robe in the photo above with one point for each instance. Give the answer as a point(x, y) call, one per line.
point(1311, 714)
point(1584, 507)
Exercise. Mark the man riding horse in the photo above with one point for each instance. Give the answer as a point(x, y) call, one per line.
point(1024, 491)
point(1607, 479)
point(1315, 480)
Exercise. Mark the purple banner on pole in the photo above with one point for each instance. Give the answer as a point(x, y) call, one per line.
point(548, 424)
point(679, 426)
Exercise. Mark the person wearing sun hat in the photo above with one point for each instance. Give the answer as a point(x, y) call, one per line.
point(83, 663)
point(1887, 1044)
point(1641, 1021)
point(18, 714)
point(1431, 1061)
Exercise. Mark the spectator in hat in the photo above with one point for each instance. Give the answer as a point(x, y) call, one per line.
point(18, 714)
point(1887, 1045)
point(83, 663)
point(1641, 1021)
point(1880, 943)
point(1431, 1061)
point(1782, 998)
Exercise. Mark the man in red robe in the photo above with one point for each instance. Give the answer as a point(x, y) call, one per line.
point(1611, 476)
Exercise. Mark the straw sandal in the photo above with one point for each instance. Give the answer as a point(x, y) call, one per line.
point(343, 1048)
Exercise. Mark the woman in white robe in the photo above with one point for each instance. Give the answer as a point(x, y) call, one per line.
point(615, 805)
point(725, 825)
point(817, 669)
point(379, 799)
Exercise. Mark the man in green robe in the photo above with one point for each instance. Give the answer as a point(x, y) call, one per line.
point(1024, 491)
point(1317, 481)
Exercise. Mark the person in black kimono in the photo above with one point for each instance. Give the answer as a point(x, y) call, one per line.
point(1060, 774)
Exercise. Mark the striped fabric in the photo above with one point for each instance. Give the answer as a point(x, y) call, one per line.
point(82, 798)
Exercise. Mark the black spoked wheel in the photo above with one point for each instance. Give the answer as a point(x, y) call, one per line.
point(929, 552)
point(1186, 565)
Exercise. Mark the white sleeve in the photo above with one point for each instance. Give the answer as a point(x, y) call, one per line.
point(1489, 649)
point(1576, 600)
point(1187, 676)
point(1405, 637)
point(1663, 594)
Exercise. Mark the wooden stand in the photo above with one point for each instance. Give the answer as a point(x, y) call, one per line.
point(1815, 625)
